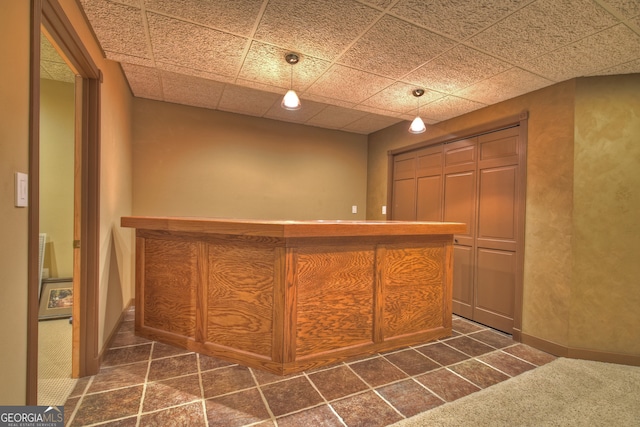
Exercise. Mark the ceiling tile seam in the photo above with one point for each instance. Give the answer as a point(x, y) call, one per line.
point(147, 33)
point(401, 79)
point(92, 31)
point(524, 61)
point(611, 10)
point(334, 61)
point(531, 60)
point(200, 24)
point(455, 39)
point(381, 9)
point(632, 26)
point(251, 38)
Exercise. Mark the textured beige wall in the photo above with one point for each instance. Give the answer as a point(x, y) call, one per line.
point(14, 157)
point(606, 244)
point(57, 118)
point(196, 162)
point(548, 273)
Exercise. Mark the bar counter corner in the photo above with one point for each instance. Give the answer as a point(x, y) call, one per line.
point(288, 296)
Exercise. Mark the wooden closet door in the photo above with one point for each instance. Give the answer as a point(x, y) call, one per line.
point(499, 195)
point(459, 202)
point(478, 181)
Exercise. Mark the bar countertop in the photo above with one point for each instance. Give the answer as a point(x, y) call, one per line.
point(292, 228)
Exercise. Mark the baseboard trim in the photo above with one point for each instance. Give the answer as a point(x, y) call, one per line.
point(579, 353)
point(113, 333)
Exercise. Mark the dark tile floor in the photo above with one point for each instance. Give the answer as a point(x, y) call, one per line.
point(146, 383)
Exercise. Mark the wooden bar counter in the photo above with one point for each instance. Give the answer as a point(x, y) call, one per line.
point(287, 296)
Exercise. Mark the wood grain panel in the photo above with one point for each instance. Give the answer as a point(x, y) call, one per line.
point(171, 275)
point(335, 298)
point(414, 289)
point(240, 296)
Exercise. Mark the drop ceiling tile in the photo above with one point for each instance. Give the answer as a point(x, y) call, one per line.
point(381, 4)
point(238, 99)
point(630, 67)
point(237, 16)
point(57, 71)
point(335, 117)
point(370, 123)
point(129, 59)
point(48, 52)
point(136, 3)
point(399, 98)
point(321, 29)
point(459, 19)
point(449, 107)
point(616, 45)
point(145, 82)
point(260, 86)
point(119, 27)
point(326, 100)
point(393, 47)
point(627, 8)
point(506, 85)
point(187, 90)
point(194, 73)
point(193, 46)
point(307, 111)
point(266, 64)
point(456, 69)
point(44, 74)
point(541, 27)
point(346, 84)
point(374, 110)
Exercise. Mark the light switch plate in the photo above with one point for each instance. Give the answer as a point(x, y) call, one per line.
point(22, 190)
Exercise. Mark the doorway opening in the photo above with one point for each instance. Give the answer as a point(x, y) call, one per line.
point(50, 22)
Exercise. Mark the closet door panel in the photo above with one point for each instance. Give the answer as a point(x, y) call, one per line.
point(459, 202)
point(429, 204)
point(497, 209)
point(495, 288)
point(404, 200)
point(463, 267)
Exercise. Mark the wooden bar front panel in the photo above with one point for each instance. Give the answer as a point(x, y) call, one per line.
point(289, 304)
point(335, 298)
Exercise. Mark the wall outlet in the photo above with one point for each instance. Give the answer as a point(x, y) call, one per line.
point(354, 209)
point(384, 210)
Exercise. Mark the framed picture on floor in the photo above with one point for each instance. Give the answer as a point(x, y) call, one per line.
point(56, 299)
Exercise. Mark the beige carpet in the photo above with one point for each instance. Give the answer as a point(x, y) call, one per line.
point(565, 392)
point(54, 362)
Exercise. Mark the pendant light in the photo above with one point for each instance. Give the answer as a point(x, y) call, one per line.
point(417, 125)
point(291, 100)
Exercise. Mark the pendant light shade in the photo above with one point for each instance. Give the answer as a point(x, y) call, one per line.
point(291, 100)
point(417, 125)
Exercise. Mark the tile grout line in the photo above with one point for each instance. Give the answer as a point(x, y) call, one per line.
point(144, 385)
point(202, 399)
